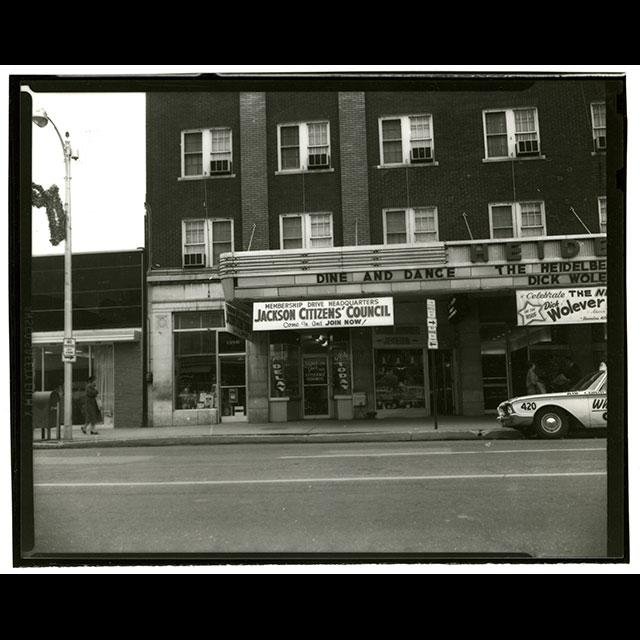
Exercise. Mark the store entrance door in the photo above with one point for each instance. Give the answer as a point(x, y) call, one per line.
point(233, 389)
point(315, 387)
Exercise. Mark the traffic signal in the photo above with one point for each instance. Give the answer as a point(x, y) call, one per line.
point(457, 308)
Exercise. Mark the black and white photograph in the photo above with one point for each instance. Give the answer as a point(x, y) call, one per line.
point(319, 318)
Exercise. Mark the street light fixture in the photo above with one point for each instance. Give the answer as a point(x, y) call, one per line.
point(41, 119)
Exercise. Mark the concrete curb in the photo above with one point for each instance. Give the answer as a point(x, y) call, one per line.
point(169, 441)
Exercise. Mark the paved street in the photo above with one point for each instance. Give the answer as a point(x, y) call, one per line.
point(546, 499)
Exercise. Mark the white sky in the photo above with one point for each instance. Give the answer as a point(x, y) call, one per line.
point(108, 179)
point(108, 191)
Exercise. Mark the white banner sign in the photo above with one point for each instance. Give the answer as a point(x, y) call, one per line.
point(561, 306)
point(312, 314)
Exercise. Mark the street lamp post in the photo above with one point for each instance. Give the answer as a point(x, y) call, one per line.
point(41, 118)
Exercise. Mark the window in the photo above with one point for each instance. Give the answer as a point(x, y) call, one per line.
point(197, 342)
point(406, 140)
point(602, 210)
point(204, 240)
point(304, 146)
point(410, 226)
point(599, 125)
point(206, 152)
point(511, 133)
point(517, 219)
point(306, 231)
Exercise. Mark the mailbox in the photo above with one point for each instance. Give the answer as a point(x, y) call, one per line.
point(46, 413)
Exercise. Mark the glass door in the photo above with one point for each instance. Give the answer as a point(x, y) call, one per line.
point(315, 376)
point(233, 388)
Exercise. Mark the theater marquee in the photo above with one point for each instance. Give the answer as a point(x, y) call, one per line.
point(316, 314)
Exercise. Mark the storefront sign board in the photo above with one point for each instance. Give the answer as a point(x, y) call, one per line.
point(310, 314)
point(561, 306)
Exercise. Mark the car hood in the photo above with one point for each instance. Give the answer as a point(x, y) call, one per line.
point(544, 396)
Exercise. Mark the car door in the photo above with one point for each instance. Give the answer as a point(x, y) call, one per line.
point(598, 405)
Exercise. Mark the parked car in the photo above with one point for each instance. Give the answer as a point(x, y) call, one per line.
point(552, 415)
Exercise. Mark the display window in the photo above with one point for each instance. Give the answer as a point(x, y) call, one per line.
point(399, 377)
point(210, 365)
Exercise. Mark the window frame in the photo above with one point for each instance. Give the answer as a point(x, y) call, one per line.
point(303, 146)
point(306, 229)
point(207, 152)
point(405, 132)
point(516, 218)
point(409, 225)
point(602, 200)
point(208, 240)
point(511, 134)
point(595, 137)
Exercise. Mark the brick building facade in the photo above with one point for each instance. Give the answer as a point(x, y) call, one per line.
point(310, 196)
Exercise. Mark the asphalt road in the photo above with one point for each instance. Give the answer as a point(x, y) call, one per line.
point(546, 499)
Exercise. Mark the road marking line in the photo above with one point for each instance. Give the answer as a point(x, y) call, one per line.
point(182, 483)
point(431, 453)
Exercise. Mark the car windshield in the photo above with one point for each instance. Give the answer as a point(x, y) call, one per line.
point(588, 382)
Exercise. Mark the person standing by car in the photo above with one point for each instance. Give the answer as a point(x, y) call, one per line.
point(534, 384)
point(92, 411)
point(571, 372)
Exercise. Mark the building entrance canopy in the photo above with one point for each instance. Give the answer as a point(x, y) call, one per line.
point(452, 267)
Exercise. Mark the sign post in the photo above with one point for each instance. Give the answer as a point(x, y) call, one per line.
point(432, 345)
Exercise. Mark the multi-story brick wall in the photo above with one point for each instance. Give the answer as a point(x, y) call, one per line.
point(311, 191)
point(569, 174)
point(171, 198)
point(127, 385)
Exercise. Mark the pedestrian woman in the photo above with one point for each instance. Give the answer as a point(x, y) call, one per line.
point(92, 411)
point(534, 384)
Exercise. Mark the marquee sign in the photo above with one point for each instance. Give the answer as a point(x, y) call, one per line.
point(310, 314)
point(561, 306)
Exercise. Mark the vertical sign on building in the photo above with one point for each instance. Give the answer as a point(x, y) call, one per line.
point(432, 343)
point(432, 324)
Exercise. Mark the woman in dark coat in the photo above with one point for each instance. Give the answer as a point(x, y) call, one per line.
point(92, 411)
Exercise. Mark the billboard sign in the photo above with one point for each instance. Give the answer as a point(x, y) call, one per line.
point(561, 306)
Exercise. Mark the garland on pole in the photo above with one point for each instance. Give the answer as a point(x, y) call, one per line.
point(50, 199)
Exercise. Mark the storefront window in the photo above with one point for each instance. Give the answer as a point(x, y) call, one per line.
point(195, 359)
point(399, 379)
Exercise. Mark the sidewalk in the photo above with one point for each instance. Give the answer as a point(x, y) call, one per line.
point(387, 430)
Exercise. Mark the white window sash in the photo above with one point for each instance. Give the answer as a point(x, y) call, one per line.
point(410, 228)
point(207, 150)
point(405, 128)
point(516, 218)
point(209, 238)
point(304, 145)
point(306, 220)
point(204, 244)
point(511, 134)
point(602, 213)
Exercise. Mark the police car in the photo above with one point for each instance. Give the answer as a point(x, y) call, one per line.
point(552, 415)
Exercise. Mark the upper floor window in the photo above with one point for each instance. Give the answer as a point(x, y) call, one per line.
point(203, 241)
point(517, 219)
point(306, 231)
point(511, 133)
point(406, 140)
point(599, 125)
point(602, 212)
point(304, 146)
point(410, 226)
point(206, 152)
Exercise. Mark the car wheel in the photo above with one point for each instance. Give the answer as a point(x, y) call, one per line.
point(551, 422)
